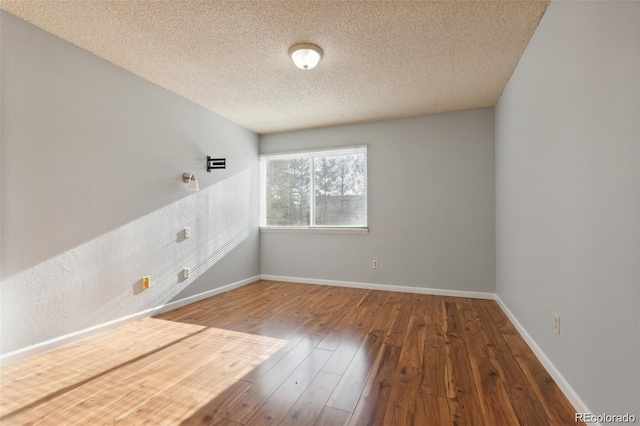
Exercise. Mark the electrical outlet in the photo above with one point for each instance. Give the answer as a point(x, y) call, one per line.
point(186, 272)
point(187, 233)
point(146, 282)
point(375, 264)
point(556, 323)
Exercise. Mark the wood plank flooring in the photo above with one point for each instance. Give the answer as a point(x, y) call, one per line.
point(274, 353)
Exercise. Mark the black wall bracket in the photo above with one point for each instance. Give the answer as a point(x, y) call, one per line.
point(216, 163)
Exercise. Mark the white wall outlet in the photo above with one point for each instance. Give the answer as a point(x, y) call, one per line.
point(186, 272)
point(187, 233)
point(556, 323)
point(375, 264)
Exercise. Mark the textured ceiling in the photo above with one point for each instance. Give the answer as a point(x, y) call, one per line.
point(381, 59)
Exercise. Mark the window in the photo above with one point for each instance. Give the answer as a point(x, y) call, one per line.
point(314, 189)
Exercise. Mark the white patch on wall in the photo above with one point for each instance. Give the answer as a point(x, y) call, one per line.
point(101, 280)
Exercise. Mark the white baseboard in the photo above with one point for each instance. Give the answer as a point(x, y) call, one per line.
point(384, 287)
point(57, 342)
point(562, 383)
point(206, 294)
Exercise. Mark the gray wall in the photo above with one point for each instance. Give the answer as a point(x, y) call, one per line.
point(430, 209)
point(567, 197)
point(92, 197)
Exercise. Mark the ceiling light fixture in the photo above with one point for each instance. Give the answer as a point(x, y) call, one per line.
point(305, 56)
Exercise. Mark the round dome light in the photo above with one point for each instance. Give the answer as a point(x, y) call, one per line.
point(305, 56)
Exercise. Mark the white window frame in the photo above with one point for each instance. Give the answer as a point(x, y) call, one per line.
point(312, 154)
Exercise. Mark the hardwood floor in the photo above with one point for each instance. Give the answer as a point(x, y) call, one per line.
point(294, 354)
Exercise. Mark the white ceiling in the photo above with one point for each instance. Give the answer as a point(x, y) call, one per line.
point(382, 59)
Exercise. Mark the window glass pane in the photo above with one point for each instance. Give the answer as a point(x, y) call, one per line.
point(340, 190)
point(287, 192)
point(325, 188)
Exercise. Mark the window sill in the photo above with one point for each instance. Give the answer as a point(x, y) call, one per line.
point(315, 229)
